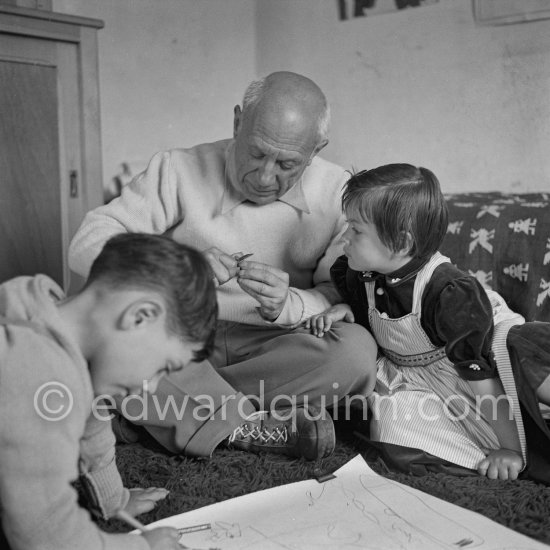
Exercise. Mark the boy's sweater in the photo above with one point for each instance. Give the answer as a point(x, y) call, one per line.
point(39, 456)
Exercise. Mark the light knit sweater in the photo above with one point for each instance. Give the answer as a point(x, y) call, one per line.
point(188, 194)
point(39, 458)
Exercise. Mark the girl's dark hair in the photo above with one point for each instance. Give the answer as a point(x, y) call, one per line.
point(176, 271)
point(399, 199)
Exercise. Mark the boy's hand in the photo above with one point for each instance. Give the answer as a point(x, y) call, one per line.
point(501, 464)
point(321, 323)
point(162, 538)
point(144, 500)
point(224, 266)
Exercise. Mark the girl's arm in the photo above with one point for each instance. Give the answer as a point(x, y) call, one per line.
point(505, 462)
point(460, 317)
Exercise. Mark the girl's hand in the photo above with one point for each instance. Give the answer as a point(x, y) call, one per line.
point(321, 323)
point(501, 464)
point(144, 500)
point(162, 538)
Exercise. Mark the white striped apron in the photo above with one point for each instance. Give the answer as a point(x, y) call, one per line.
point(420, 400)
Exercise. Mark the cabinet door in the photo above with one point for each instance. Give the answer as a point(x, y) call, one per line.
point(40, 159)
point(30, 202)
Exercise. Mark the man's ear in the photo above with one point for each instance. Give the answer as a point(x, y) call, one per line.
point(141, 313)
point(237, 119)
point(321, 145)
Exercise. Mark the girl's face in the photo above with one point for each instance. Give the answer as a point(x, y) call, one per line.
point(366, 252)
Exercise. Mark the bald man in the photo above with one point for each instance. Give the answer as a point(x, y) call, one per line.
point(266, 193)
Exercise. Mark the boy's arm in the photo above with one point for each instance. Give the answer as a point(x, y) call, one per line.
point(39, 453)
point(98, 471)
point(100, 476)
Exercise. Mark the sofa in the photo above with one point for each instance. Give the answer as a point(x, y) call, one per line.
point(504, 241)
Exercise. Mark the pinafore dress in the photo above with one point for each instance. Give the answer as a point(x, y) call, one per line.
point(420, 401)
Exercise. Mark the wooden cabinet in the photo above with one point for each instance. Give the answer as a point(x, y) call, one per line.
point(50, 150)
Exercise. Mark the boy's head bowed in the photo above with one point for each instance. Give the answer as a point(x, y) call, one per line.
point(177, 272)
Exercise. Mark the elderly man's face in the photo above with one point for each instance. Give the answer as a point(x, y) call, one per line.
point(271, 153)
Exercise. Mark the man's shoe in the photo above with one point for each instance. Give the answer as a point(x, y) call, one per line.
point(298, 432)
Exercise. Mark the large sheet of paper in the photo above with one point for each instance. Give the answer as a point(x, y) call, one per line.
point(358, 509)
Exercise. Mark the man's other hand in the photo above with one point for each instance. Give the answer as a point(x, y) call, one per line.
point(267, 284)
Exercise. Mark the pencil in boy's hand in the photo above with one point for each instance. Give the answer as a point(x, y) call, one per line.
point(131, 520)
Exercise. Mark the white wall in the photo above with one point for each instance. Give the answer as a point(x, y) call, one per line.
point(171, 71)
point(423, 85)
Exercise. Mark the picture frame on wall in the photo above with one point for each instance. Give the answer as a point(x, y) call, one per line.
point(505, 12)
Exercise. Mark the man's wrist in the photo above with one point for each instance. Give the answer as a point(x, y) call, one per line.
point(268, 317)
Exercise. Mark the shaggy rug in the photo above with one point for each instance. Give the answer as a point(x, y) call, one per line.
point(520, 505)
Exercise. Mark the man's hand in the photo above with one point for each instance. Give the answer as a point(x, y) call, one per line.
point(224, 266)
point(144, 500)
point(321, 323)
point(265, 283)
point(501, 464)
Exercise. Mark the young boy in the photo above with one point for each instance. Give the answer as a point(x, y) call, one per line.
point(148, 308)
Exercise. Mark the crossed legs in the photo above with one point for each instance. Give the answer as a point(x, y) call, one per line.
point(255, 367)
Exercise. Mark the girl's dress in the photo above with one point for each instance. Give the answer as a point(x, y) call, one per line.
point(422, 400)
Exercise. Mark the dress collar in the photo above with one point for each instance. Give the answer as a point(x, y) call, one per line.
point(232, 197)
point(397, 277)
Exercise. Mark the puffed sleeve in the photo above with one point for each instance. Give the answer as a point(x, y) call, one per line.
point(461, 317)
point(338, 274)
point(351, 289)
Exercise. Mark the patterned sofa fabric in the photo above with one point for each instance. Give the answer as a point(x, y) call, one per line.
point(504, 241)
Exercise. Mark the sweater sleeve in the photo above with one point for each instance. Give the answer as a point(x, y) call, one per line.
point(98, 470)
point(148, 204)
point(39, 450)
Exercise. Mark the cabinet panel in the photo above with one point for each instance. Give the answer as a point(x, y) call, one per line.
point(30, 202)
point(50, 150)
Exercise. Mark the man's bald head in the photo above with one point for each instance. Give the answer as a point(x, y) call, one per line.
point(292, 98)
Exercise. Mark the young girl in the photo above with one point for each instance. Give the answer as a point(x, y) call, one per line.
point(460, 376)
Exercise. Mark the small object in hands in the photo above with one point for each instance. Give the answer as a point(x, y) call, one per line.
point(243, 257)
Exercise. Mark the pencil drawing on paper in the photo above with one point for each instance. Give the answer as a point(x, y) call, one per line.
point(358, 509)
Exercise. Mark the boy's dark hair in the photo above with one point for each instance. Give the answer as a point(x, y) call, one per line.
point(176, 271)
point(399, 199)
